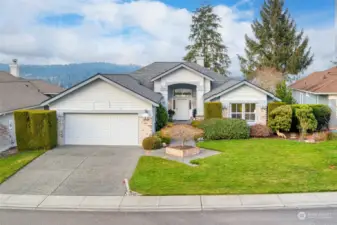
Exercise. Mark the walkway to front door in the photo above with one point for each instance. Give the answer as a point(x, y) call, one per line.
point(182, 109)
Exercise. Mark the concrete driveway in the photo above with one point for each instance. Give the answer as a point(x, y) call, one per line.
point(76, 170)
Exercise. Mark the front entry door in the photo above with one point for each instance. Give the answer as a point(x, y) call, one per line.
point(182, 109)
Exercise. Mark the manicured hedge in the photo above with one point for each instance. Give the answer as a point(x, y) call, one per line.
point(321, 112)
point(272, 106)
point(218, 129)
point(35, 129)
point(280, 118)
point(212, 110)
point(152, 143)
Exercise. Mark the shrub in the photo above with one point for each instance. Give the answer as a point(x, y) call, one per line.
point(196, 123)
point(163, 138)
point(152, 143)
point(332, 136)
point(321, 136)
point(217, 129)
point(194, 113)
point(272, 106)
point(161, 117)
point(280, 118)
point(259, 130)
point(35, 129)
point(169, 124)
point(306, 119)
point(212, 110)
point(321, 112)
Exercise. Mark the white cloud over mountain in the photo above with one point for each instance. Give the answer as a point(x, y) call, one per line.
point(131, 32)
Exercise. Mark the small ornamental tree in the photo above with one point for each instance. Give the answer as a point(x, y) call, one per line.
point(284, 93)
point(182, 132)
point(161, 117)
point(306, 119)
point(280, 118)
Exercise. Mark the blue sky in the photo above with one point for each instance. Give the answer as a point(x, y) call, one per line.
point(141, 31)
point(307, 12)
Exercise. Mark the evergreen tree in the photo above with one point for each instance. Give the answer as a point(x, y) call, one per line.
point(284, 93)
point(276, 44)
point(207, 41)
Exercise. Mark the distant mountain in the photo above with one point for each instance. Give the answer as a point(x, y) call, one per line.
point(71, 74)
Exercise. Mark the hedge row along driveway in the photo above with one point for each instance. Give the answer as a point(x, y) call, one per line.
point(245, 166)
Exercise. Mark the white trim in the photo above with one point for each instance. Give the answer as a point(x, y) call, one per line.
point(72, 89)
point(243, 113)
point(102, 111)
point(239, 85)
point(301, 98)
point(179, 67)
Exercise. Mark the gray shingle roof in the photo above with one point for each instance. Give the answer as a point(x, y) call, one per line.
point(230, 83)
point(132, 84)
point(18, 95)
point(147, 73)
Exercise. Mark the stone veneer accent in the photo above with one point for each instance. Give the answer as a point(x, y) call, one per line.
point(261, 113)
point(225, 113)
point(182, 153)
point(145, 128)
point(60, 129)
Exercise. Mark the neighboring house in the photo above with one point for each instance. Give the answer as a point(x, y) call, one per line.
point(318, 88)
point(120, 109)
point(19, 93)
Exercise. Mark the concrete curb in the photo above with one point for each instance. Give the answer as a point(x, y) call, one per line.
point(169, 203)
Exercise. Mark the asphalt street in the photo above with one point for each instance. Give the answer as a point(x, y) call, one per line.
point(320, 216)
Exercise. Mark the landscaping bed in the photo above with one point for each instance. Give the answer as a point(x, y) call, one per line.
point(11, 163)
point(245, 167)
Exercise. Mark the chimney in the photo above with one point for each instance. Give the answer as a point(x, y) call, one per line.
point(14, 68)
point(200, 60)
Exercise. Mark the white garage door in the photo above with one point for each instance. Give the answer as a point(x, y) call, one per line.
point(101, 129)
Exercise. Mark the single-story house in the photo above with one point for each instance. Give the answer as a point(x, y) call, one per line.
point(318, 88)
point(119, 109)
point(19, 93)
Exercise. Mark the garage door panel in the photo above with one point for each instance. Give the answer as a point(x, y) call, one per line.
point(101, 129)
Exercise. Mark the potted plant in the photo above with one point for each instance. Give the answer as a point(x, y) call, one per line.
point(171, 114)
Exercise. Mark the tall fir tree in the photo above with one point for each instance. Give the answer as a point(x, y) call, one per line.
point(276, 44)
point(207, 41)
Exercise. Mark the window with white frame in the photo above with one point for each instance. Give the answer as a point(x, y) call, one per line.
point(236, 111)
point(245, 111)
point(182, 92)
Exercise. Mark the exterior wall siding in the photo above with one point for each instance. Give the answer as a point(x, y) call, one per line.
point(246, 94)
point(101, 97)
point(182, 77)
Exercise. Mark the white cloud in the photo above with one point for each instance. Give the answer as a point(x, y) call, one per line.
point(132, 32)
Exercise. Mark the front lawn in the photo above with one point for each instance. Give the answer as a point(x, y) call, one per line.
point(245, 166)
point(11, 164)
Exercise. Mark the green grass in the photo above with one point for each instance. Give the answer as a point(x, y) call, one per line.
point(11, 164)
point(244, 166)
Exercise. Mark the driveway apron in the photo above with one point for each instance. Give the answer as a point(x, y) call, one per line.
point(76, 171)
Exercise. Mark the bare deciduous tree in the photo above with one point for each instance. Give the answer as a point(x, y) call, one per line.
point(182, 132)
